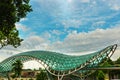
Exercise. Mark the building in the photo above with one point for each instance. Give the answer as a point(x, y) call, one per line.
point(25, 75)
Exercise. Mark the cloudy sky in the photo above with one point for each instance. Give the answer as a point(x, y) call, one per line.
point(72, 27)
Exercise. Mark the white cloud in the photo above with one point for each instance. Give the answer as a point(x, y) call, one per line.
point(29, 44)
point(23, 19)
point(56, 32)
point(71, 23)
point(116, 7)
point(116, 55)
point(69, 1)
point(34, 43)
point(113, 4)
point(46, 35)
point(99, 23)
point(22, 27)
point(74, 43)
point(91, 41)
point(85, 1)
point(77, 13)
point(2, 58)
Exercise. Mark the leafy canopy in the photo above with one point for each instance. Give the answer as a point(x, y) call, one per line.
point(11, 11)
point(17, 68)
point(42, 75)
point(117, 61)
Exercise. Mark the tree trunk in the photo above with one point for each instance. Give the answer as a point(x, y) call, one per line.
point(8, 76)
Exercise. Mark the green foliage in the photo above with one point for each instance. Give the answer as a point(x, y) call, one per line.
point(106, 64)
point(101, 75)
point(11, 11)
point(110, 61)
point(117, 61)
point(97, 75)
point(42, 75)
point(17, 68)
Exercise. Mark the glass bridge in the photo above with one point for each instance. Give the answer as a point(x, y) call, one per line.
point(61, 65)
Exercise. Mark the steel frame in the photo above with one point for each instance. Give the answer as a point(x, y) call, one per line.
point(93, 62)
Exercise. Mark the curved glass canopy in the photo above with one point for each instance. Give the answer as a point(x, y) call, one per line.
point(57, 63)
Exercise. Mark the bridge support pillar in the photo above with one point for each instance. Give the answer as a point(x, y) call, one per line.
point(82, 78)
point(60, 77)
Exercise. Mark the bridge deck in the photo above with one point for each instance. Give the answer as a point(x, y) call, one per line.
point(102, 68)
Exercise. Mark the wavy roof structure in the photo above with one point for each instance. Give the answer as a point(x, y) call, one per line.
point(57, 63)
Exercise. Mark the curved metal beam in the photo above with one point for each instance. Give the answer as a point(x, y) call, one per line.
point(96, 59)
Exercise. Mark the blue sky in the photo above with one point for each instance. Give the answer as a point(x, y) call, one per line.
point(79, 15)
point(69, 26)
point(65, 16)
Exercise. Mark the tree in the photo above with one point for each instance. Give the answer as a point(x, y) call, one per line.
point(117, 61)
point(101, 75)
point(17, 68)
point(106, 64)
point(11, 11)
point(42, 75)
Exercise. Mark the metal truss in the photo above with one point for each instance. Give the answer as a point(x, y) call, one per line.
point(59, 64)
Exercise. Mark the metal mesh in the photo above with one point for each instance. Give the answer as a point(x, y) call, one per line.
point(56, 61)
